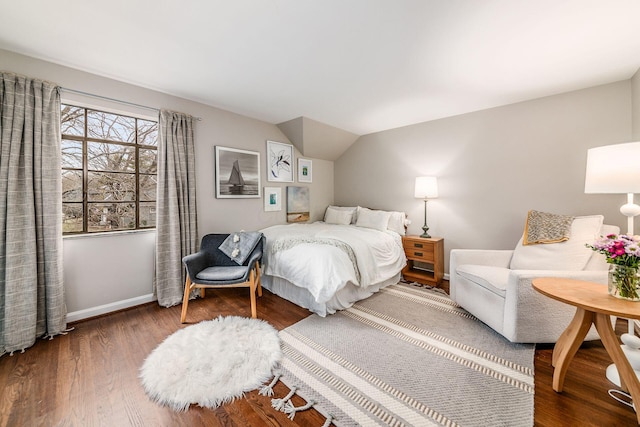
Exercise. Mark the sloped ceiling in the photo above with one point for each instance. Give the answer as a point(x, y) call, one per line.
point(317, 140)
point(358, 65)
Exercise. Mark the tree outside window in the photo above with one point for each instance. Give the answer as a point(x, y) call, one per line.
point(109, 171)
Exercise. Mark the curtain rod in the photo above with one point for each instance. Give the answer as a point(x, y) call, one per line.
point(79, 92)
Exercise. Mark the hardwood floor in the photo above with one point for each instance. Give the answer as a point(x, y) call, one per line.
point(90, 376)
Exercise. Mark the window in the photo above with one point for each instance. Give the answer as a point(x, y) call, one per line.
point(109, 171)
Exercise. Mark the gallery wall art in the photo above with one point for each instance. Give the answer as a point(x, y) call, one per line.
point(298, 204)
point(305, 171)
point(237, 173)
point(272, 199)
point(279, 162)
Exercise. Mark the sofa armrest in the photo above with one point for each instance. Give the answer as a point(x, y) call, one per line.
point(494, 258)
point(530, 316)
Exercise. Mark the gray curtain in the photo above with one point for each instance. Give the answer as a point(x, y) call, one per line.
point(177, 233)
point(31, 285)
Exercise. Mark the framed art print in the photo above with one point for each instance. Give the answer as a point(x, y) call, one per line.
point(272, 199)
point(237, 173)
point(279, 162)
point(298, 204)
point(305, 170)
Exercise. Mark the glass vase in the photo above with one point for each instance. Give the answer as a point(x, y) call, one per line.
point(624, 282)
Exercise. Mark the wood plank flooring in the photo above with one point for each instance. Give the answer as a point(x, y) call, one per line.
point(90, 376)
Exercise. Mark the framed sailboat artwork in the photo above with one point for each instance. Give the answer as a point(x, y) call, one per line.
point(237, 173)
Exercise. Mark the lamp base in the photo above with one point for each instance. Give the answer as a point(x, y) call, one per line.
point(426, 232)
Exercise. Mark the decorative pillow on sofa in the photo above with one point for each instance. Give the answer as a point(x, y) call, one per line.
point(543, 227)
point(571, 255)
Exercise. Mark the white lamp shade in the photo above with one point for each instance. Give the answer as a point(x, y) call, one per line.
point(426, 187)
point(613, 169)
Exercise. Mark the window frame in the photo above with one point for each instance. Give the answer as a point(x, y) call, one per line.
point(85, 139)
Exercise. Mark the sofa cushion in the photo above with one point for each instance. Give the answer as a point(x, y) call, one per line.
point(571, 255)
point(493, 279)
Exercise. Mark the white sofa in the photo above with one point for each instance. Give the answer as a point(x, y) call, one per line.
point(484, 283)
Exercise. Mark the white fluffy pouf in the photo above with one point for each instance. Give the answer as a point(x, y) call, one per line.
point(211, 363)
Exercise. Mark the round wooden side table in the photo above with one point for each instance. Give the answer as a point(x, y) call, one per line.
point(593, 306)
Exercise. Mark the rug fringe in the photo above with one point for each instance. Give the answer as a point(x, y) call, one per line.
point(267, 390)
point(278, 404)
point(286, 406)
point(291, 410)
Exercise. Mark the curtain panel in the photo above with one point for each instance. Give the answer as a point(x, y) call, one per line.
point(31, 280)
point(176, 224)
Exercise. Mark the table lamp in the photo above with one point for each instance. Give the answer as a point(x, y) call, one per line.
point(426, 188)
point(615, 169)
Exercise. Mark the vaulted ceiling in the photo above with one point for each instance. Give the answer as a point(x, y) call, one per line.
point(358, 65)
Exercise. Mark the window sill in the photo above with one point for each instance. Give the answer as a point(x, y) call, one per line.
point(107, 234)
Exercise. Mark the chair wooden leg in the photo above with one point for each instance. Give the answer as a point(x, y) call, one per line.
point(202, 292)
point(259, 279)
point(185, 300)
point(252, 289)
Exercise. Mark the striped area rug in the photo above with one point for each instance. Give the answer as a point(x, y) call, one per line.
point(408, 356)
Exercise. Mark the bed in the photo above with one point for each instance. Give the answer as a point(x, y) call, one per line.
point(328, 265)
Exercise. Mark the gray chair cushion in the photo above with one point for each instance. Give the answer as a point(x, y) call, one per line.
point(222, 274)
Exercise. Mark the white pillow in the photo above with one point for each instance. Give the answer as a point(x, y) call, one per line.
point(335, 216)
point(571, 255)
point(378, 220)
point(352, 210)
point(396, 222)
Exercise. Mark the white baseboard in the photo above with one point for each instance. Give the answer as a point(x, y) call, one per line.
point(446, 276)
point(108, 308)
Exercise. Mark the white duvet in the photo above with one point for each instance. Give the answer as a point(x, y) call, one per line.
point(324, 269)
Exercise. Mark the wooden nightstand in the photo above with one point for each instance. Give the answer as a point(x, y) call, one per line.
point(429, 253)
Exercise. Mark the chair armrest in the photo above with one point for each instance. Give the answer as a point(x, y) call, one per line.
point(494, 258)
point(195, 263)
point(530, 316)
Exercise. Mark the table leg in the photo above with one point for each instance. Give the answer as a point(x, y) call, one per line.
point(568, 345)
point(628, 378)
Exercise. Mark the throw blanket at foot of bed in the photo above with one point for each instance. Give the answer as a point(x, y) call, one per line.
point(407, 356)
point(283, 244)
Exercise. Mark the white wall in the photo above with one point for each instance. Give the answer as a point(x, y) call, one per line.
point(108, 272)
point(101, 272)
point(492, 166)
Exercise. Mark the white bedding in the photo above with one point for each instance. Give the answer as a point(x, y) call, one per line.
point(324, 269)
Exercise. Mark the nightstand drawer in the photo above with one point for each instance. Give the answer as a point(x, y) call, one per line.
point(411, 244)
point(423, 254)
